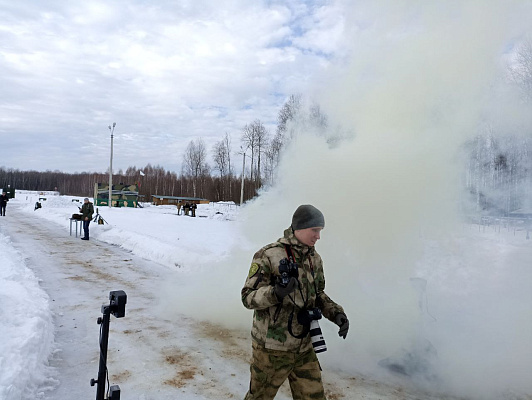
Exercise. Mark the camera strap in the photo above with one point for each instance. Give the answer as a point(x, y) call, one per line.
point(289, 252)
point(292, 258)
point(306, 328)
point(290, 255)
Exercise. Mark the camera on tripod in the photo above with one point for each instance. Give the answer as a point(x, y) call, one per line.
point(117, 304)
point(116, 307)
point(287, 270)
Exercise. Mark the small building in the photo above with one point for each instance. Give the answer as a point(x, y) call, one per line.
point(121, 195)
point(159, 200)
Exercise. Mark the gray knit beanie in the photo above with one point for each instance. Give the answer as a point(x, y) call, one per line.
point(307, 216)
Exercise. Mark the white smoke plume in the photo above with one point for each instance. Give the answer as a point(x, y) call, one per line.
point(413, 90)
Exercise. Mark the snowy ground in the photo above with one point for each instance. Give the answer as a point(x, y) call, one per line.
point(52, 286)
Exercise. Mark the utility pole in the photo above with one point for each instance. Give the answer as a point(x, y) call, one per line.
point(243, 171)
point(111, 167)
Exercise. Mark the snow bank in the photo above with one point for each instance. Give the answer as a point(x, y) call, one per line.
point(26, 326)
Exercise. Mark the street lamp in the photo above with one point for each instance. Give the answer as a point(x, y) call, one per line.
point(243, 171)
point(111, 167)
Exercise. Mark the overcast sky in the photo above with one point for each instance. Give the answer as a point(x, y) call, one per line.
point(165, 71)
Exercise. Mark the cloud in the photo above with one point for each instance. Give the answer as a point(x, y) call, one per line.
point(157, 69)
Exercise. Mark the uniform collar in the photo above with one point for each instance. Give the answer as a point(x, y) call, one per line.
point(291, 239)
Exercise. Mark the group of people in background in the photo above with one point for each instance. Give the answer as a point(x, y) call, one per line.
point(188, 208)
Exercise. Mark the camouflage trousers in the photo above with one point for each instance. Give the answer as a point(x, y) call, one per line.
point(270, 368)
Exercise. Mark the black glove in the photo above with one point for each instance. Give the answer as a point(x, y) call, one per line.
point(342, 321)
point(282, 291)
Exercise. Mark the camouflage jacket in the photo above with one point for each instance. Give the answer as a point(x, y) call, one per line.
point(271, 317)
point(87, 209)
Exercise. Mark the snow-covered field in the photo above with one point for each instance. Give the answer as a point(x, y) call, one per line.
point(155, 233)
point(185, 335)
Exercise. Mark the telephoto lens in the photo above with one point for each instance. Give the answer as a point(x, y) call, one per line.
point(318, 342)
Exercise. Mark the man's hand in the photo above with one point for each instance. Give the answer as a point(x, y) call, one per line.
point(86, 218)
point(342, 321)
point(282, 291)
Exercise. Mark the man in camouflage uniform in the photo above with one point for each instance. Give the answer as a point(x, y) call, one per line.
point(282, 347)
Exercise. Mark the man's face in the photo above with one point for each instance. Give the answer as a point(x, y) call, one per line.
point(85, 201)
point(308, 236)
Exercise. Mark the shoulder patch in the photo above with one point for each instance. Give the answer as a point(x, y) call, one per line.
point(253, 269)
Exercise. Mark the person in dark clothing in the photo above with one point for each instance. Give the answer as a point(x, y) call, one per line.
point(3, 203)
point(87, 209)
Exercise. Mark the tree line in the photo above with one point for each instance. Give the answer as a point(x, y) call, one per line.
point(156, 180)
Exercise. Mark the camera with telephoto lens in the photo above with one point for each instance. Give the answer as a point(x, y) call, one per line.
point(287, 270)
point(316, 336)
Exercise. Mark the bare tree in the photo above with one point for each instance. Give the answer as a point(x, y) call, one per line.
point(255, 138)
point(521, 69)
point(272, 155)
point(227, 145)
point(262, 141)
point(131, 171)
point(218, 153)
point(222, 156)
point(249, 141)
point(194, 162)
point(288, 112)
point(222, 160)
point(318, 119)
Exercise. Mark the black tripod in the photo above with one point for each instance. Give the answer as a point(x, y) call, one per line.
point(117, 307)
point(98, 217)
